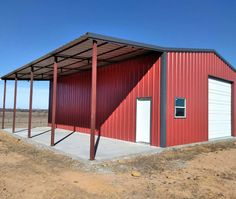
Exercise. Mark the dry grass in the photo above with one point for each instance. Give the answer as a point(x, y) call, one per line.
point(39, 118)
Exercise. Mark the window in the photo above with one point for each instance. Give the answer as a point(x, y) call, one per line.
point(180, 107)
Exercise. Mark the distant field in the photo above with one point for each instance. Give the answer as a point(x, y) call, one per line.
point(39, 118)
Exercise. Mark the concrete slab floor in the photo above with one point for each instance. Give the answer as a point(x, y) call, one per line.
point(76, 144)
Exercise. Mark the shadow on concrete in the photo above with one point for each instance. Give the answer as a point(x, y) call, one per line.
point(96, 145)
point(63, 138)
point(21, 130)
point(40, 134)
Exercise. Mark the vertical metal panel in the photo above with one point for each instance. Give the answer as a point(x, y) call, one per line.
point(187, 75)
point(118, 86)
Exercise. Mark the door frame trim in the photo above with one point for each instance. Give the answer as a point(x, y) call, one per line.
point(143, 99)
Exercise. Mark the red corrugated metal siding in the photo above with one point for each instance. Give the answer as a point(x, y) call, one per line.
point(118, 86)
point(187, 76)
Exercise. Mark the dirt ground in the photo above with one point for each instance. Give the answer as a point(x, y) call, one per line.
point(201, 171)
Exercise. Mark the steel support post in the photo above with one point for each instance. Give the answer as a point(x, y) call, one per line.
point(4, 104)
point(93, 100)
point(54, 101)
point(30, 101)
point(14, 109)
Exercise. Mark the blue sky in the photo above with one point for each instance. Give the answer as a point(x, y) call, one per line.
point(31, 28)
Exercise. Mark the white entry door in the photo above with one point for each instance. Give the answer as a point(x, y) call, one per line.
point(143, 120)
point(219, 109)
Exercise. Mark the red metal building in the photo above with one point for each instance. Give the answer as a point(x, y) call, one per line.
point(136, 92)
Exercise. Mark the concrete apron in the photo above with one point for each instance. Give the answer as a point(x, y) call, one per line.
point(76, 145)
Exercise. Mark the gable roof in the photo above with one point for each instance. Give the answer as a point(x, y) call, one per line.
point(77, 55)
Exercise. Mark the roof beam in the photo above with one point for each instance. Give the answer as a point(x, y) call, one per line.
point(45, 57)
point(62, 69)
point(72, 57)
point(127, 53)
point(84, 51)
point(67, 57)
point(42, 66)
point(112, 50)
point(89, 59)
point(79, 59)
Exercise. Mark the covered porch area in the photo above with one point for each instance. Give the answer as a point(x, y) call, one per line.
point(87, 53)
point(77, 145)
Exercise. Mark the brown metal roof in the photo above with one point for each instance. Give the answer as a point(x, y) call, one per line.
point(77, 55)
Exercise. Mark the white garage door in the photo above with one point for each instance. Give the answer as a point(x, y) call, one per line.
point(219, 109)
